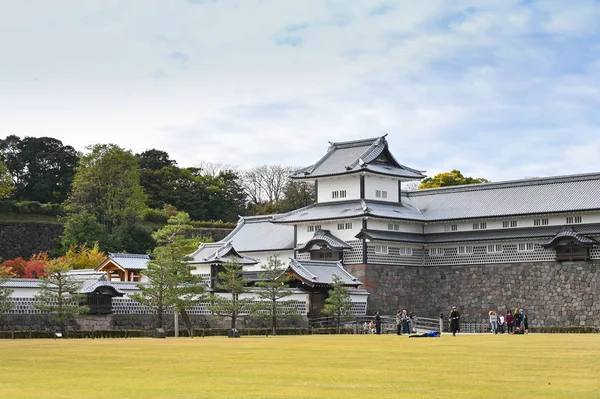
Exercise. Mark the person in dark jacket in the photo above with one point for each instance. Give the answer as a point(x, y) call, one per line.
point(509, 321)
point(377, 323)
point(399, 322)
point(517, 319)
point(454, 321)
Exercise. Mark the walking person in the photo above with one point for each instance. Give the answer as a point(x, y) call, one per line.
point(493, 321)
point(454, 321)
point(399, 322)
point(501, 323)
point(509, 321)
point(377, 323)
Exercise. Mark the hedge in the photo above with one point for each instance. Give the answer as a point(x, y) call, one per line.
point(565, 330)
point(30, 208)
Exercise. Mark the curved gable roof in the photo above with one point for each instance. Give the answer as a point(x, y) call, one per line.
point(370, 155)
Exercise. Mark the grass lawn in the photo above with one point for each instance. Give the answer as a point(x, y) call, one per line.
point(350, 366)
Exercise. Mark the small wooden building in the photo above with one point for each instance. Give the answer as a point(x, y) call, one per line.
point(124, 267)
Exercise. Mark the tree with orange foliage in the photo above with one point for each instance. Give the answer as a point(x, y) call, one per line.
point(16, 266)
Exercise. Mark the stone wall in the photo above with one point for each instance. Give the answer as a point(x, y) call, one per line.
point(551, 293)
point(26, 239)
point(135, 322)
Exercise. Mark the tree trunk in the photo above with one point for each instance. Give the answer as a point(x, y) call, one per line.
point(188, 323)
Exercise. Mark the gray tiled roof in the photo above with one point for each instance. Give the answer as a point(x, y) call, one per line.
point(130, 261)
point(257, 233)
point(542, 232)
point(325, 236)
point(21, 283)
point(370, 155)
point(351, 209)
point(219, 252)
point(520, 197)
point(90, 286)
point(322, 272)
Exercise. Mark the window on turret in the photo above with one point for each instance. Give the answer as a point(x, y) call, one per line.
point(380, 194)
point(344, 226)
point(509, 223)
point(338, 194)
point(573, 219)
point(479, 226)
point(313, 227)
point(394, 226)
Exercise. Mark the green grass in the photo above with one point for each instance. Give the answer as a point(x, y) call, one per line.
point(350, 366)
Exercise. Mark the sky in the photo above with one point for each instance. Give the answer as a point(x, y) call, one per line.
point(501, 89)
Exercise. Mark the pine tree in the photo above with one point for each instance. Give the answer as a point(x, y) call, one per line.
point(5, 303)
point(171, 283)
point(59, 295)
point(274, 288)
point(231, 280)
point(338, 303)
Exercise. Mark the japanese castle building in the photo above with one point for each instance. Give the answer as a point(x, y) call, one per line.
point(530, 243)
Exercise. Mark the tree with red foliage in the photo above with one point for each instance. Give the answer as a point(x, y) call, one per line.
point(35, 267)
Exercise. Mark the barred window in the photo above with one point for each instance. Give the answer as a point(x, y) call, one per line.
point(540, 222)
point(526, 247)
point(495, 248)
point(381, 249)
point(465, 250)
point(436, 251)
point(509, 223)
point(394, 226)
point(450, 227)
point(479, 226)
point(573, 219)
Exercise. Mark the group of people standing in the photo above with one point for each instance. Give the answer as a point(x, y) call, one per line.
point(515, 322)
point(403, 322)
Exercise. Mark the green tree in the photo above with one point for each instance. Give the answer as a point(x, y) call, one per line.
point(82, 228)
point(59, 294)
point(170, 279)
point(230, 279)
point(6, 304)
point(42, 168)
point(6, 184)
point(273, 289)
point(452, 178)
point(107, 187)
point(338, 303)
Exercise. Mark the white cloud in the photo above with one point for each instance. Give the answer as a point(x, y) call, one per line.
point(492, 88)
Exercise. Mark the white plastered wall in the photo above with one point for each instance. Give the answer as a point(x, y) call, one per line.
point(346, 234)
point(405, 227)
point(329, 184)
point(384, 183)
point(522, 221)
